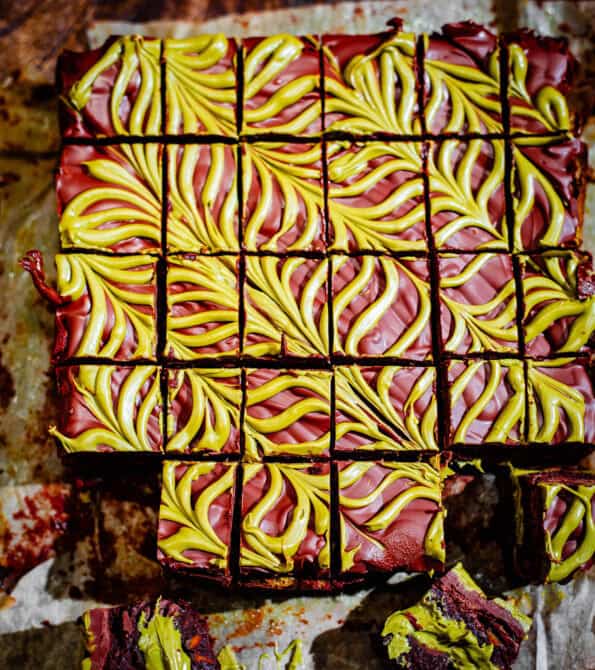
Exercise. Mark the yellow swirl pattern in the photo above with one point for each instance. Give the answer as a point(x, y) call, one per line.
point(451, 186)
point(214, 410)
point(118, 284)
point(281, 307)
point(124, 419)
point(554, 405)
point(265, 64)
point(472, 95)
point(297, 177)
point(373, 416)
point(311, 392)
point(201, 219)
point(310, 514)
point(203, 307)
point(425, 485)
point(200, 81)
point(370, 319)
point(528, 180)
point(489, 325)
point(134, 57)
point(378, 225)
point(548, 108)
point(550, 294)
point(134, 200)
point(579, 512)
point(190, 512)
point(375, 92)
point(503, 417)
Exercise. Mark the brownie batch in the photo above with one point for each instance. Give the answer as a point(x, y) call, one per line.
point(301, 267)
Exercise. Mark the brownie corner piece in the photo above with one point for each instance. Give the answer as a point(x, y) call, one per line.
point(195, 518)
point(555, 518)
point(390, 517)
point(128, 636)
point(113, 90)
point(455, 620)
point(543, 84)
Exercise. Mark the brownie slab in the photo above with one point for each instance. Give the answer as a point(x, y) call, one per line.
point(455, 625)
point(137, 635)
point(555, 523)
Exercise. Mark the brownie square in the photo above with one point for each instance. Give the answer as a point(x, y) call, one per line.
point(467, 194)
point(201, 85)
point(376, 196)
point(285, 527)
point(542, 77)
point(203, 304)
point(282, 85)
point(389, 408)
point(286, 306)
point(487, 402)
point(203, 411)
point(391, 518)
point(106, 408)
point(114, 90)
point(195, 517)
point(561, 401)
point(287, 413)
point(129, 636)
point(559, 302)
point(478, 304)
point(462, 81)
point(202, 198)
point(455, 620)
point(555, 515)
point(370, 84)
point(107, 307)
point(283, 192)
point(109, 198)
point(381, 307)
point(549, 187)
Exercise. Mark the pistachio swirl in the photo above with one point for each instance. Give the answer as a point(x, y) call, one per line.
point(283, 197)
point(286, 307)
point(115, 298)
point(472, 96)
point(391, 408)
point(376, 196)
point(195, 500)
point(374, 92)
point(560, 401)
point(287, 413)
point(479, 305)
point(204, 410)
point(571, 543)
point(123, 208)
point(201, 85)
point(202, 198)
point(160, 643)
point(487, 401)
point(551, 299)
point(203, 307)
point(397, 487)
point(137, 86)
point(307, 526)
point(381, 307)
point(110, 409)
point(282, 85)
point(547, 108)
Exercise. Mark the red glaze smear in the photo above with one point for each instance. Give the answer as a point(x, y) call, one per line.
point(32, 262)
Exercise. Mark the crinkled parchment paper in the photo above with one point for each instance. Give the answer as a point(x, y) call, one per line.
point(105, 552)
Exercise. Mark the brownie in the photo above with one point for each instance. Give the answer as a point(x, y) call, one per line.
point(555, 518)
point(455, 625)
point(129, 636)
point(298, 268)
